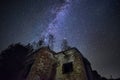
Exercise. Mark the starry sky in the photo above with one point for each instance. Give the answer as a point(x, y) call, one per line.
point(93, 26)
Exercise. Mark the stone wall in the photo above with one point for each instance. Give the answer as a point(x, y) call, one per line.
point(78, 71)
point(43, 66)
point(66, 65)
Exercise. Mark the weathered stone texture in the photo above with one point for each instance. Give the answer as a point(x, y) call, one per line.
point(51, 66)
point(78, 72)
point(43, 66)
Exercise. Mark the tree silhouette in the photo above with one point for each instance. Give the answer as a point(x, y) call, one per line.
point(41, 42)
point(12, 59)
point(64, 45)
point(51, 40)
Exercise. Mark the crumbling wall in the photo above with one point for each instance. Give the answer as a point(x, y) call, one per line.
point(71, 56)
point(43, 66)
point(66, 65)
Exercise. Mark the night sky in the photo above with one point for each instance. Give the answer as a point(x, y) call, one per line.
point(93, 26)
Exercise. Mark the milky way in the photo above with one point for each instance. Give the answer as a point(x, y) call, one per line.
point(59, 12)
point(92, 26)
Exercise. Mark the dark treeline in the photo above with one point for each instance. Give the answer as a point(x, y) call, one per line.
point(12, 60)
point(96, 76)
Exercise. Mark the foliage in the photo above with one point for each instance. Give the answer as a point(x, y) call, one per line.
point(12, 59)
point(64, 45)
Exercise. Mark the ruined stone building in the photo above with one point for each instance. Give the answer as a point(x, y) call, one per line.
point(45, 64)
